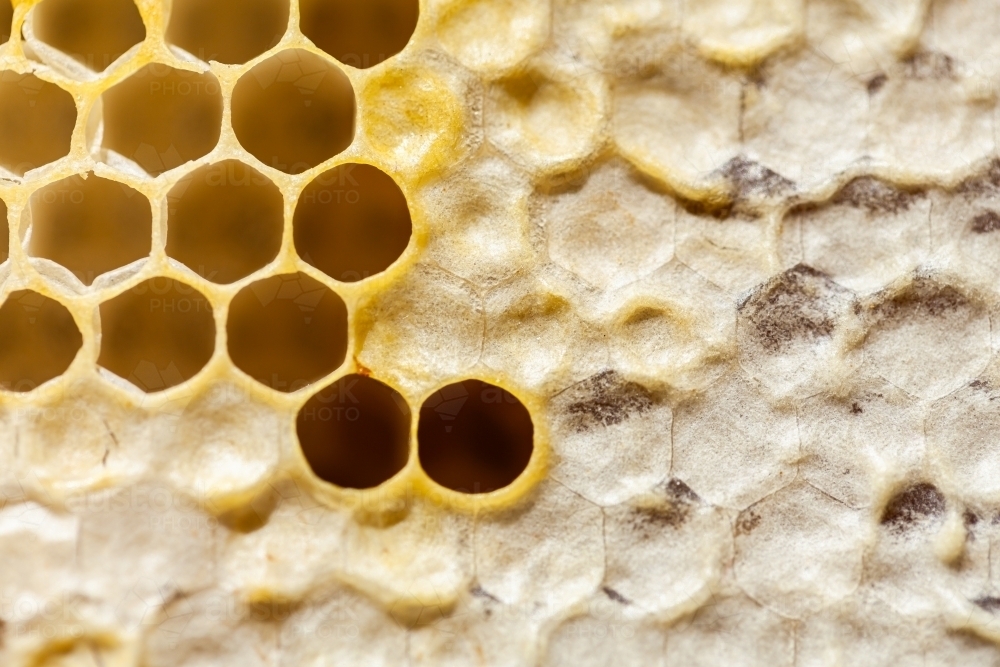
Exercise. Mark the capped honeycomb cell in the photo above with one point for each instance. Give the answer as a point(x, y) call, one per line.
point(359, 34)
point(95, 33)
point(474, 437)
point(517, 29)
point(227, 31)
point(355, 433)
point(36, 122)
point(287, 331)
point(157, 334)
point(224, 221)
point(294, 111)
point(161, 117)
point(6, 19)
point(352, 222)
point(90, 225)
point(40, 340)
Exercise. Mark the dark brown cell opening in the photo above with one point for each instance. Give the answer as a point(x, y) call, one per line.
point(157, 334)
point(359, 34)
point(6, 20)
point(90, 225)
point(352, 222)
point(162, 117)
point(287, 331)
point(355, 433)
point(36, 122)
point(474, 437)
point(227, 31)
point(224, 221)
point(4, 233)
point(38, 340)
point(294, 111)
point(95, 33)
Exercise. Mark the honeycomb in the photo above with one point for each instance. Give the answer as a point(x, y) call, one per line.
point(499, 332)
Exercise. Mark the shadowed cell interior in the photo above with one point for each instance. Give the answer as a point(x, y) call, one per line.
point(352, 222)
point(4, 233)
point(474, 437)
point(157, 334)
point(224, 221)
point(92, 32)
point(287, 331)
point(227, 31)
point(36, 122)
point(6, 19)
point(39, 340)
point(359, 34)
point(294, 111)
point(161, 117)
point(355, 433)
point(90, 225)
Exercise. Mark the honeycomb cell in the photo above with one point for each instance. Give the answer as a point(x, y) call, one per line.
point(36, 122)
point(90, 225)
point(352, 222)
point(224, 221)
point(157, 334)
point(742, 32)
point(605, 637)
point(287, 331)
point(355, 433)
point(733, 446)
point(474, 437)
point(294, 111)
point(95, 33)
point(6, 19)
point(615, 207)
point(227, 31)
point(928, 337)
point(517, 29)
point(961, 430)
point(161, 117)
point(359, 34)
point(40, 340)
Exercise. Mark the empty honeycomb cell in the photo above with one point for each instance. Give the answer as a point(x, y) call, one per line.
point(294, 111)
point(928, 337)
point(36, 122)
point(161, 117)
point(90, 225)
point(474, 437)
point(95, 33)
point(40, 340)
point(6, 19)
point(352, 222)
point(359, 34)
point(157, 334)
point(224, 221)
point(227, 31)
point(287, 331)
point(355, 433)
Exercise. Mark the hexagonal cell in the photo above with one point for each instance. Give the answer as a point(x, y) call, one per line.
point(517, 29)
point(6, 19)
point(224, 221)
point(961, 431)
point(790, 331)
point(799, 550)
point(294, 111)
point(36, 122)
point(90, 225)
point(227, 31)
point(355, 433)
point(287, 331)
point(95, 33)
point(732, 445)
point(352, 222)
point(157, 334)
point(605, 637)
point(161, 117)
point(359, 34)
point(742, 32)
point(474, 437)
point(614, 208)
point(868, 234)
point(927, 337)
point(40, 337)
